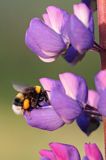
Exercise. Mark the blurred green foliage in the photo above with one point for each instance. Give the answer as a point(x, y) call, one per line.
point(18, 141)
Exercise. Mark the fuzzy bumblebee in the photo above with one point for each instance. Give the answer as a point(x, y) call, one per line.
point(28, 98)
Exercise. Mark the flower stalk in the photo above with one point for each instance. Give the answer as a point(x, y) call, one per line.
point(101, 8)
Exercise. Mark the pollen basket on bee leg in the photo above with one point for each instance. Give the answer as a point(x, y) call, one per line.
point(26, 104)
point(37, 89)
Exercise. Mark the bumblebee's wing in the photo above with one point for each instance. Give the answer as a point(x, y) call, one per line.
point(20, 88)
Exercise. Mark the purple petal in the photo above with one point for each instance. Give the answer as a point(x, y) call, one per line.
point(57, 18)
point(72, 56)
point(100, 81)
point(39, 35)
point(85, 15)
point(48, 84)
point(92, 152)
point(81, 37)
point(102, 103)
point(93, 98)
point(65, 151)
point(32, 44)
point(44, 118)
point(82, 95)
point(75, 86)
point(91, 23)
point(67, 108)
point(82, 12)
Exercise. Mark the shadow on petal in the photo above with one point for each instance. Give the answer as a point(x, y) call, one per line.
point(81, 37)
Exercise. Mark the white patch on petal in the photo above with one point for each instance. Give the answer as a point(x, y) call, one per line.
point(47, 59)
point(82, 12)
point(56, 18)
point(70, 83)
point(100, 80)
point(17, 109)
point(93, 98)
point(47, 20)
point(46, 107)
point(50, 54)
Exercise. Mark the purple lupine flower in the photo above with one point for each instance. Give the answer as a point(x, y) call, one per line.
point(67, 98)
point(60, 151)
point(89, 119)
point(100, 82)
point(44, 37)
point(80, 28)
point(61, 34)
point(91, 4)
point(92, 152)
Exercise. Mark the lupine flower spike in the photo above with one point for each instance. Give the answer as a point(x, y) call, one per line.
point(57, 33)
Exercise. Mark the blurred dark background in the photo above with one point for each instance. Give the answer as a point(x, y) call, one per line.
point(18, 141)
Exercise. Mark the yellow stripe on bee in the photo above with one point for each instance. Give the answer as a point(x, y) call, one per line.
point(26, 104)
point(20, 96)
point(38, 89)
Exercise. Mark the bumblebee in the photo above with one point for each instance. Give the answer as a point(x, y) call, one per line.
point(29, 98)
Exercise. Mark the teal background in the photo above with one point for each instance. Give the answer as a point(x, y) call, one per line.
point(18, 141)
